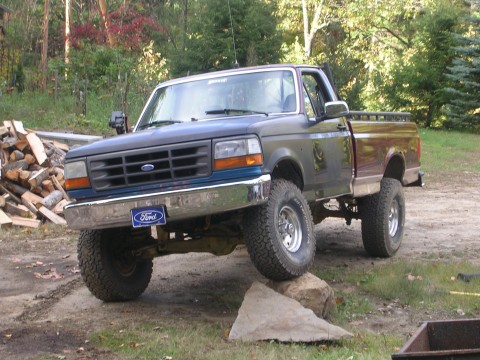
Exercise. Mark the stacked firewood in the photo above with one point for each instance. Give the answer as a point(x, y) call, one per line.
point(32, 178)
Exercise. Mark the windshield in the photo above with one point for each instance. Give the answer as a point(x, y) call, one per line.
point(231, 95)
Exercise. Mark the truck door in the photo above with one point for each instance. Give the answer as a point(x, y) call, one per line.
point(330, 138)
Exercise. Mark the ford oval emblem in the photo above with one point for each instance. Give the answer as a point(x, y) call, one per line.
point(147, 167)
point(147, 217)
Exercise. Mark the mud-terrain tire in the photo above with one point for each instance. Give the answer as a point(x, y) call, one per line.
point(110, 272)
point(279, 234)
point(383, 219)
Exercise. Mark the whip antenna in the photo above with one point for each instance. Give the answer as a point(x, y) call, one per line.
point(233, 35)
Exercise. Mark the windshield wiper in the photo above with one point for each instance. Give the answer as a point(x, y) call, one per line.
point(158, 123)
point(228, 111)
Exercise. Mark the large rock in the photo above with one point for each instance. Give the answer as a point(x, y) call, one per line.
point(268, 315)
point(310, 291)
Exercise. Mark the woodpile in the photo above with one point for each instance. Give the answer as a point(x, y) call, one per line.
point(32, 178)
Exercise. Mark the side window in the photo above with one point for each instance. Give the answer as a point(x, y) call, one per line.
point(314, 95)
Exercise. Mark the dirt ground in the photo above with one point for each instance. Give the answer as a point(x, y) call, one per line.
point(46, 309)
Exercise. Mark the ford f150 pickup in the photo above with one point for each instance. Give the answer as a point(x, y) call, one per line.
point(252, 156)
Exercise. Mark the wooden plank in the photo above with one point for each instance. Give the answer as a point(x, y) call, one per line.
point(3, 200)
point(31, 197)
point(19, 221)
point(37, 148)
point(5, 221)
point(50, 215)
point(61, 146)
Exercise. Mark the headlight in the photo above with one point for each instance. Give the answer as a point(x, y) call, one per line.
point(237, 153)
point(76, 175)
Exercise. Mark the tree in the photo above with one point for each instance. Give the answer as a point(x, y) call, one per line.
point(417, 78)
point(210, 45)
point(43, 63)
point(463, 109)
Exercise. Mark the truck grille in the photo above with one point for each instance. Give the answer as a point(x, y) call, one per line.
point(150, 166)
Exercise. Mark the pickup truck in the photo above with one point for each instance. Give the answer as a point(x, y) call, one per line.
point(252, 156)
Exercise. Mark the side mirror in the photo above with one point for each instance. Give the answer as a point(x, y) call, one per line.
point(335, 109)
point(119, 122)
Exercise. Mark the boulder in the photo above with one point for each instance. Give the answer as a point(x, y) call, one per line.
point(310, 291)
point(268, 315)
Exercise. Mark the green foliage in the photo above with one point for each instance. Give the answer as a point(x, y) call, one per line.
point(463, 110)
point(417, 78)
point(209, 45)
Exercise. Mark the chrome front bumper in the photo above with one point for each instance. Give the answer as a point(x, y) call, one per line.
point(179, 204)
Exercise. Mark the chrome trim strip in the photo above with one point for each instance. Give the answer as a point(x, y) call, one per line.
point(179, 204)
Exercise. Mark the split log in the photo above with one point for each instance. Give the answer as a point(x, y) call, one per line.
point(3, 131)
point(8, 124)
point(47, 185)
point(36, 179)
point(24, 176)
point(3, 200)
point(20, 164)
point(58, 209)
point(9, 142)
point(29, 199)
point(3, 187)
point(19, 221)
point(30, 159)
point(21, 144)
point(12, 174)
point(20, 210)
point(37, 148)
point(50, 201)
point(5, 221)
point(16, 155)
point(19, 130)
point(50, 215)
point(59, 187)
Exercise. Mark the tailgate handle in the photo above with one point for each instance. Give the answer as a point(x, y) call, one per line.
point(341, 127)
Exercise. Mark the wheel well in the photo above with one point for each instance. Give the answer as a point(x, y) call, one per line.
point(395, 168)
point(288, 170)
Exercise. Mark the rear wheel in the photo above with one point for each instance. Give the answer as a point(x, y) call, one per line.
point(108, 265)
point(383, 219)
point(279, 235)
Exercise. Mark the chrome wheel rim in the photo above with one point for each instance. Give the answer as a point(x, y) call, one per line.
point(393, 218)
point(290, 229)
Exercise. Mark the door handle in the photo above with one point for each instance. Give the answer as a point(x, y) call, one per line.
point(341, 127)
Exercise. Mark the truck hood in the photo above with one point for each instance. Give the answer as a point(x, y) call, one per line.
point(170, 134)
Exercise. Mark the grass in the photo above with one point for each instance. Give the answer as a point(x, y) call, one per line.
point(444, 151)
point(41, 112)
point(424, 285)
point(183, 339)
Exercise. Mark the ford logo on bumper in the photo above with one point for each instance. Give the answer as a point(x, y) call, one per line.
point(148, 216)
point(147, 167)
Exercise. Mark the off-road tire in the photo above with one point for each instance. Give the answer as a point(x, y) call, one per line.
point(109, 272)
point(383, 219)
point(277, 254)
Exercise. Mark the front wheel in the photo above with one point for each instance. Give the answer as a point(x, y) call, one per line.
point(108, 266)
point(383, 219)
point(279, 234)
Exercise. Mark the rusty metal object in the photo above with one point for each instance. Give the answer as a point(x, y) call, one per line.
point(445, 339)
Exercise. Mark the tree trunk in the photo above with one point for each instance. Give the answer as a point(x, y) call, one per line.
point(106, 21)
point(43, 62)
point(68, 41)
